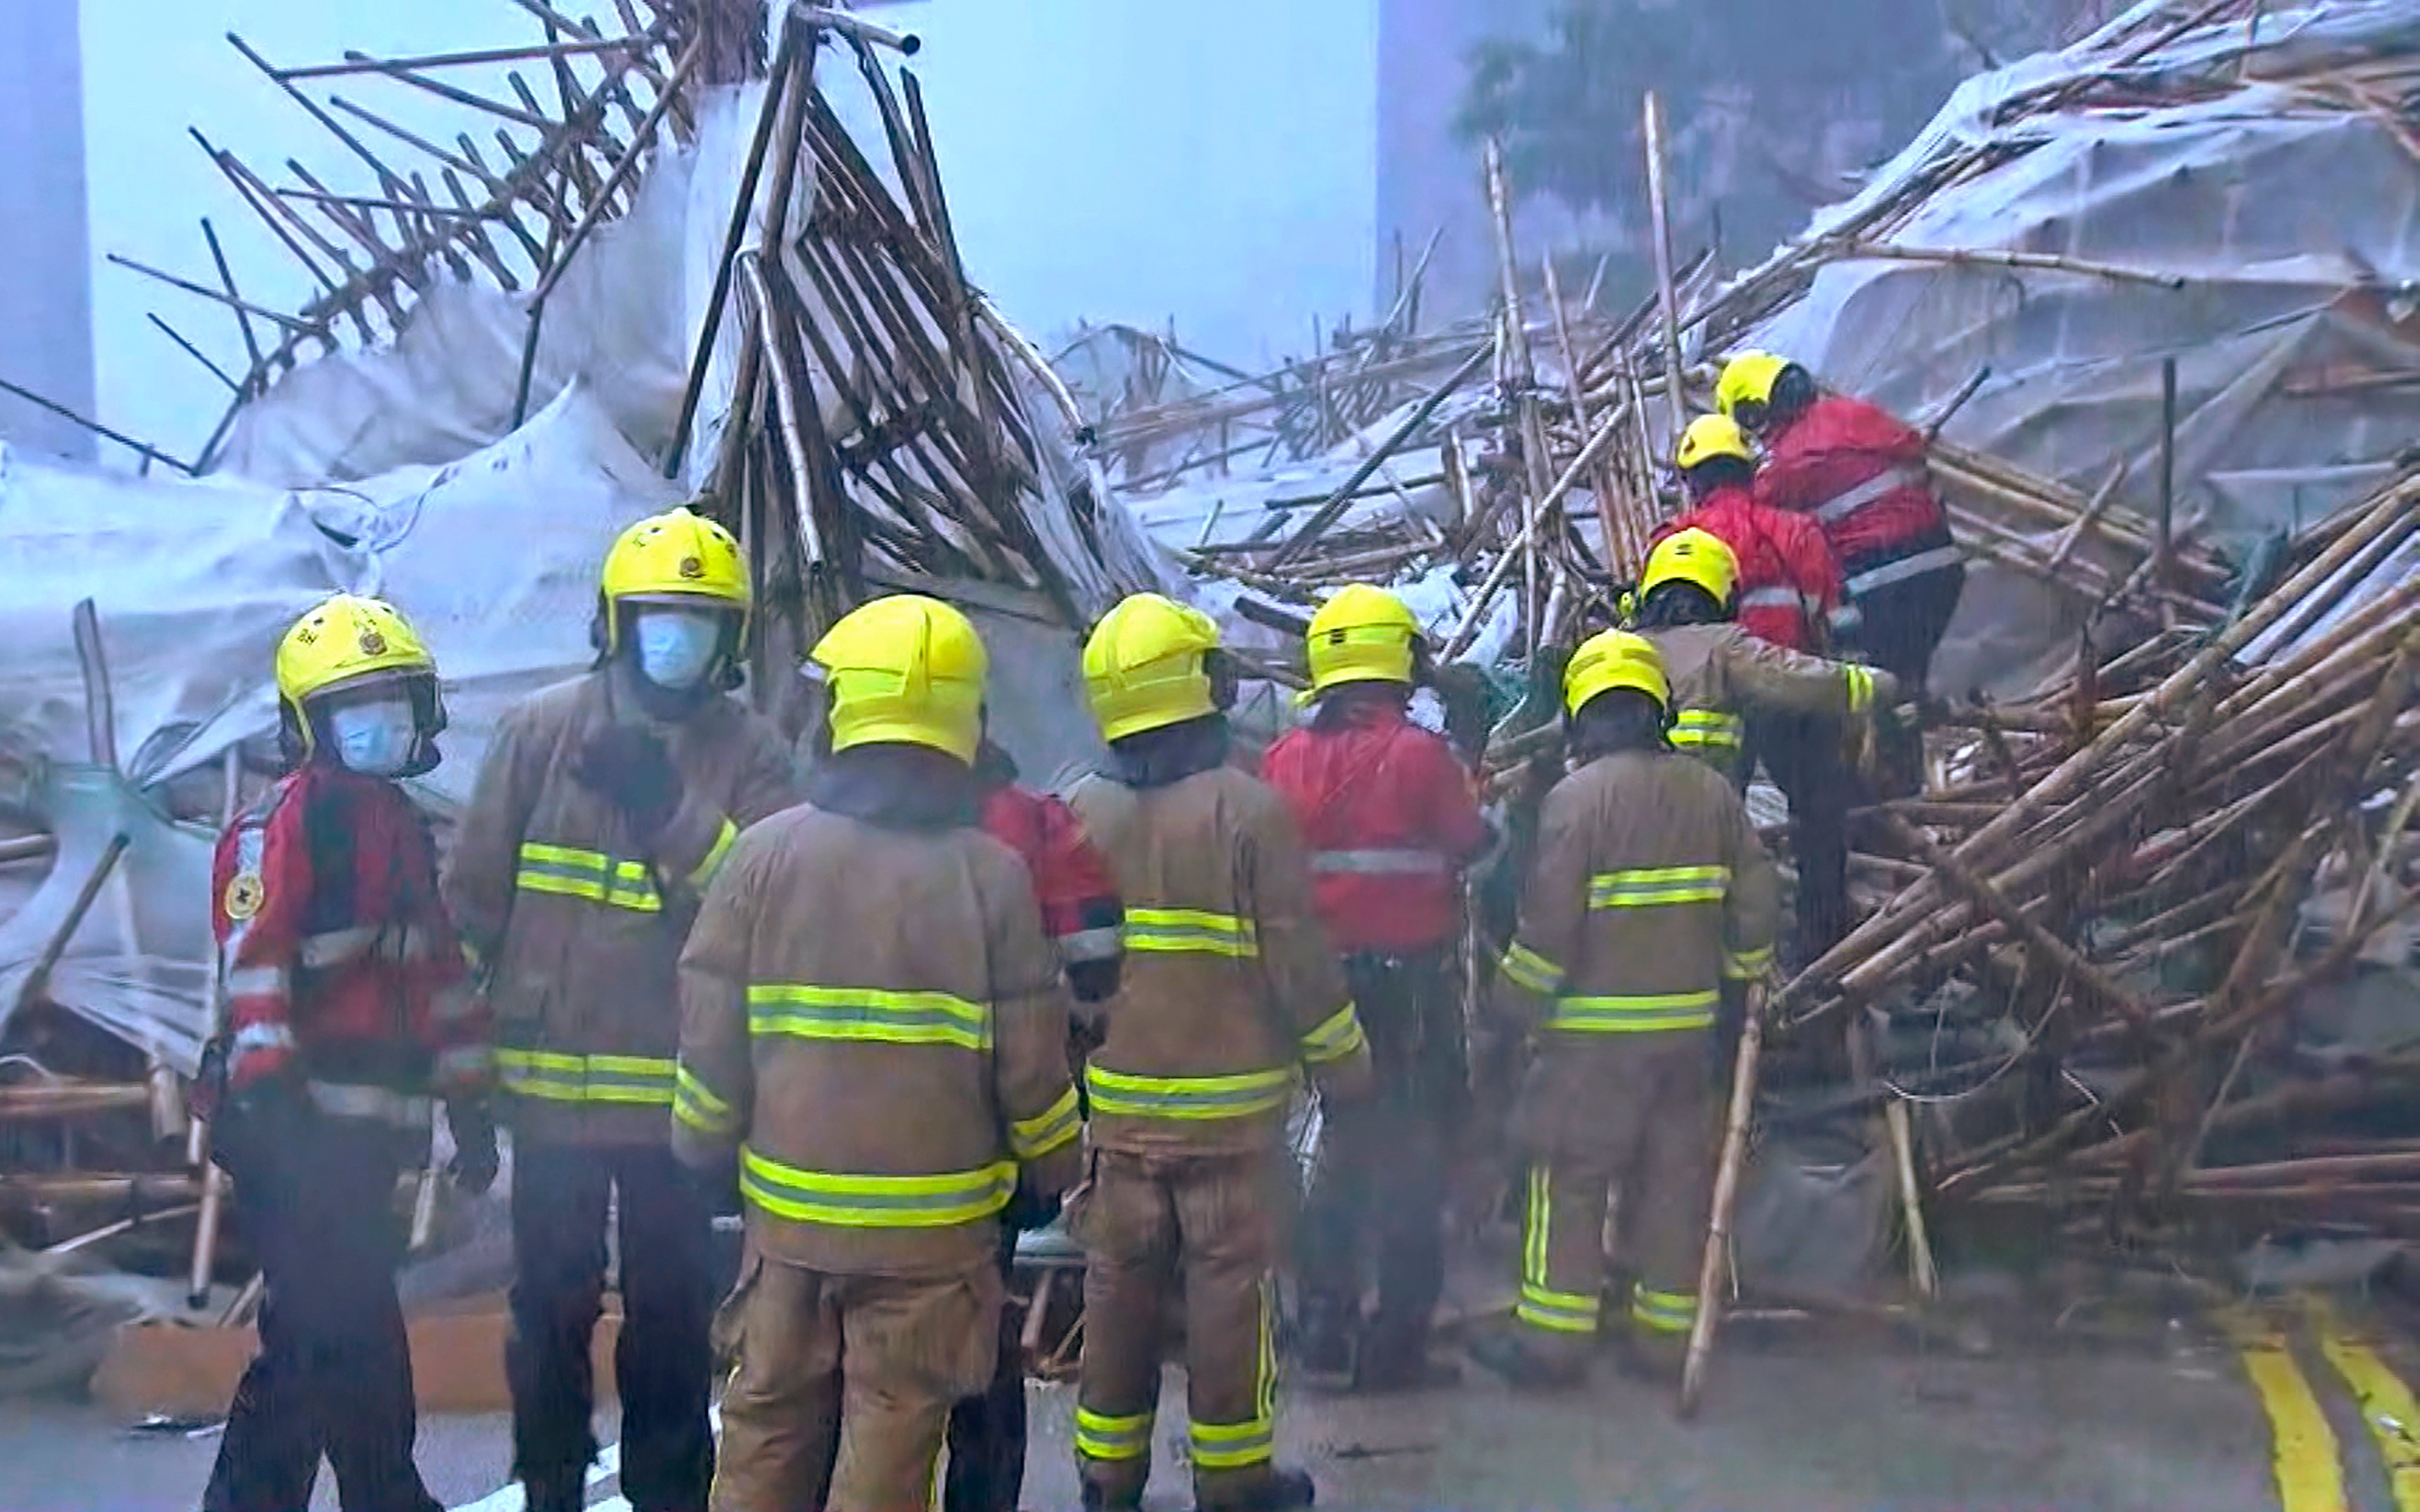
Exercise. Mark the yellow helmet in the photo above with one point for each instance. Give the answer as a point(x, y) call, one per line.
point(1747, 379)
point(1147, 666)
point(1692, 556)
point(1710, 436)
point(1610, 659)
point(1362, 635)
point(905, 669)
point(673, 558)
point(344, 642)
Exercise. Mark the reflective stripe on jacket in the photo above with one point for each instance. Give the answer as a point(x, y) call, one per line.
point(1789, 584)
point(580, 924)
point(1648, 883)
point(1721, 674)
point(873, 1027)
point(349, 973)
point(1859, 472)
point(1390, 819)
point(1230, 991)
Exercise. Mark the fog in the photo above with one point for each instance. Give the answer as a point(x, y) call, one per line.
point(1213, 166)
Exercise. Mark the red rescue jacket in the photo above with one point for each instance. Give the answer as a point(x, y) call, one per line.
point(1788, 585)
point(340, 962)
point(1390, 818)
point(1861, 474)
point(1080, 910)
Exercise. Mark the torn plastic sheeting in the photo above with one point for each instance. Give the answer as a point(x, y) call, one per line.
point(494, 559)
point(138, 964)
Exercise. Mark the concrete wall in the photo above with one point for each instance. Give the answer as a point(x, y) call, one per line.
point(45, 280)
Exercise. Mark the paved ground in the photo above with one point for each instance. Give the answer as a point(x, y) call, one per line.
point(2169, 1414)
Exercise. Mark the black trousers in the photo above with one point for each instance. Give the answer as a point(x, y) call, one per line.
point(334, 1374)
point(1377, 1197)
point(1902, 626)
point(987, 1464)
point(661, 1363)
point(1803, 753)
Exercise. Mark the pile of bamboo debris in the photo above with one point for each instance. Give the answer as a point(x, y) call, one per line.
point(2142, 875)
point(2125, 888)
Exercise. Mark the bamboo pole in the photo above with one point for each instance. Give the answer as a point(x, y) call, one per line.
point(1660, 232)
point(1714, 1266)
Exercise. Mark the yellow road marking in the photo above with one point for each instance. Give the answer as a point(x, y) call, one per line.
point(2386, 1404)
point(2308, 1476)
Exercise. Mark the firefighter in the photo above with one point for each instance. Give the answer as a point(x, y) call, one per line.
point(1793, 708)
point(1789, 583)
point(873, 1030)
point(1648, 891)
point(1081, 914)
point(1228, 995)
point(349, 1005)
point(1861, 474)
point(605, 806)
point(1389, 816)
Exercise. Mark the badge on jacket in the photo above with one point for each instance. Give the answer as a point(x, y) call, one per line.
point(244, 896)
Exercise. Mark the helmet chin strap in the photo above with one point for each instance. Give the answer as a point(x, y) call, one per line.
point(667, 704)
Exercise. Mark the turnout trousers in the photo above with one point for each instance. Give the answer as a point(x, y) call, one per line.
point(1903, 626)
point(1654, 1145)
point(1377, 1199)
point(1158, 1230)
point(846, 1383)
point(1802, 753)
point(662, 1369)
point(334, 1374)
point(987, 1437)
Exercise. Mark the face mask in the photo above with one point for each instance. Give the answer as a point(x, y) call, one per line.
point(374, 739)
point(676, 645)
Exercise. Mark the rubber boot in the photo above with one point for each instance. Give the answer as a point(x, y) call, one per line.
point(1097, 1500)
point(1395, 1360)
point(1325, 1345)
point(1283, 1489)
point(556, 1495)
point(1502, 1352)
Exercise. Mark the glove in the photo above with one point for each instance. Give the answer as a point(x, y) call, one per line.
point(1026, 1212)
point(716, 1187)
point(628, 765)
point(261, 1122)
point(474, 1168)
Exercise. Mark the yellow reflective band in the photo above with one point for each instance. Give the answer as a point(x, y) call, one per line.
point(570, 873)
point(1525, 967)
point(1560, 1312)
point(1100, 1436)
point(1640, 1014)
point(1747, 966)
point(1663, 1312)
point(1338, 1036)
point(1649, 886)
point(696, 1104)
point(1034, 1137)
point(1192, 931)
point(705, 871)
point(1706, 727)
point(1233, 1445)
point(557, 1077)
point(1536, 1225)
point(845, 1201)
point(1861, 687)
point(867, 1013)
point(1188, 1097)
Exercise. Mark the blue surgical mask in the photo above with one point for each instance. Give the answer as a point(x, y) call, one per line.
point(374, 739)
point(676, 645)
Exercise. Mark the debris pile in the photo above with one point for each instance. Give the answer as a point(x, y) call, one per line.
point(2169, 821)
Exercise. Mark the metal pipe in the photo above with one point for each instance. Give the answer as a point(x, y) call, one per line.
point(906, 43)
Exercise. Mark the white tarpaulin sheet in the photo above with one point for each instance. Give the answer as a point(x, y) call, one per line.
point(493, 557)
